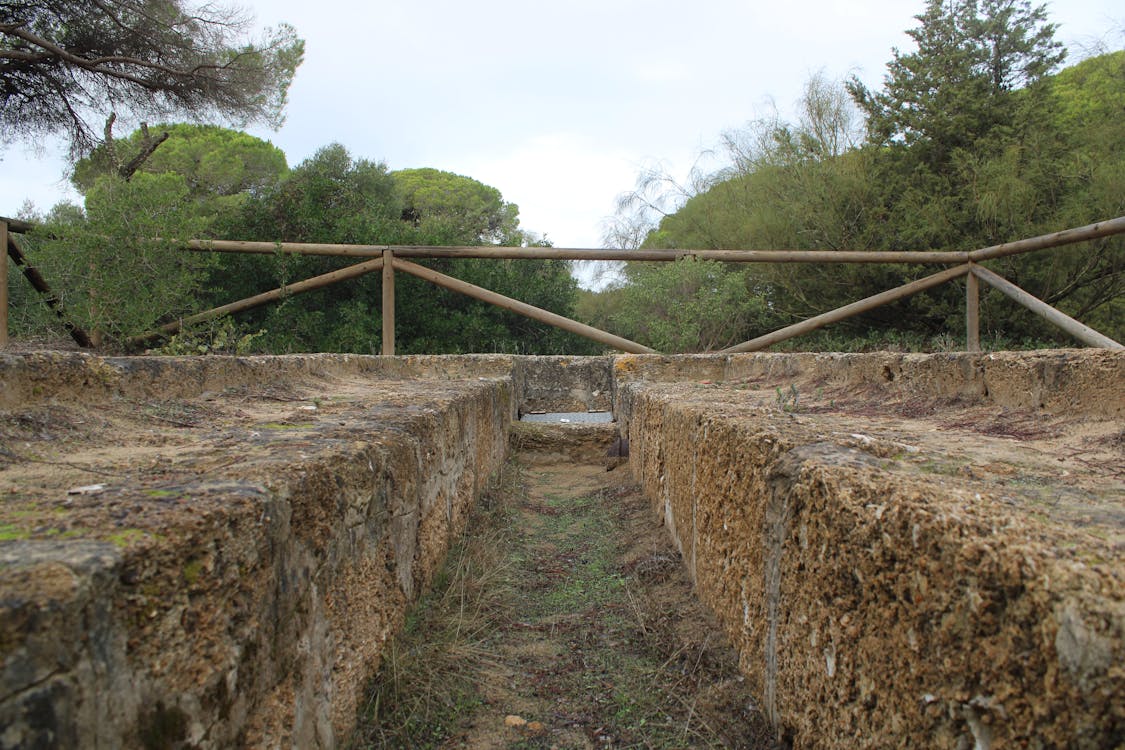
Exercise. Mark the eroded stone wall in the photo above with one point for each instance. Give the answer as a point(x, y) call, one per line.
point(877, 596)
point(246, 600)
point(875, 601)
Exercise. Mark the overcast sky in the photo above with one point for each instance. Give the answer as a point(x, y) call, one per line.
point(559, 105)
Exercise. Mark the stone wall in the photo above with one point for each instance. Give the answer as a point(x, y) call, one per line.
point(875, 604)
point(1071, 381)
point(246, 598)
point(247, 605)
point(563, 384)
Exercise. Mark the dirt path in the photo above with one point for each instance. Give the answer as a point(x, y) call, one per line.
point(565, 621)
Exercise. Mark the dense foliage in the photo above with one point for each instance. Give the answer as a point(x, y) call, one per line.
point(974, 138)
point(206, 181)
point(215, 162)
point(332, 197)
point(970, 142)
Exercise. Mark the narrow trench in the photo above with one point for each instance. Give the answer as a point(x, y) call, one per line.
point(564, 619)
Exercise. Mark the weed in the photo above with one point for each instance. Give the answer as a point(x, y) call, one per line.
point(427, 683)
point(218, 336)
point(789, 401)
point(192, 570)
point(125, 537)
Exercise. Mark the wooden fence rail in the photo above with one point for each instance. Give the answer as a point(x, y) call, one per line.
point(391, 258)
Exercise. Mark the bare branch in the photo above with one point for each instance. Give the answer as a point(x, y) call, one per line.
point(110, 147)
point(148, 146)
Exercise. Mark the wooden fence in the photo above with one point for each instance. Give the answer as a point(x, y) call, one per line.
point(388, 259)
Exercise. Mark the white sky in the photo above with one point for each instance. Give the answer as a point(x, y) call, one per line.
point(558, 105)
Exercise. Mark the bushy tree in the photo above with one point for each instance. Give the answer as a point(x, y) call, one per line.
point(220, 168)
point(971, 142)
point(333, 197)
point(688, 306)
point(957, 87)
point(64, 62)
point(214, 161)
point(112, 276)
point(970, 152)
point(443, 204)
point(330, 197)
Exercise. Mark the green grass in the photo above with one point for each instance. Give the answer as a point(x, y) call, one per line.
point(10, 533)
point(126, 537)
point(287, 425)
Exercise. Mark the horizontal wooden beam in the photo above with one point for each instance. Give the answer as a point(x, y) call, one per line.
point(1068, 236)
point(1078, 234)
point(15, 226)
point(563, 253)
point(1043, 241)
point(522, 308)
point(847, 311)
point(1079, 331)
point(724, 256)
point(287, 248)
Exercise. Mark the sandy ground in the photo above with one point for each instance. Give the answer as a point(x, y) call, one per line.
point(69, 469)
point(1066, 469)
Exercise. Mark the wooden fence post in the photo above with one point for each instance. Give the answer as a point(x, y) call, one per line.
point(972, 313)
point(3, 284)
point(388, 303)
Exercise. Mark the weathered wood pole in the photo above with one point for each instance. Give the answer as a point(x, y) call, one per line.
point(1077, 234)
point(1065, 237)
point(39, 284)
point(316, 282)
point(290, 248)
point(3, 284)
point(529, 311)
point(725, 256)
point(972, 313)
point(564, 253)
point(388, 303)
point(847, 311)
point(1079, 331)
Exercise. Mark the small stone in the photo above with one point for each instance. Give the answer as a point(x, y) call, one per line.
point(511, 720)
point(89, 489)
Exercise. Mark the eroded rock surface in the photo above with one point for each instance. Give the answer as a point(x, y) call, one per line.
point(898, 563)
point(232, 558)
point(904, 549)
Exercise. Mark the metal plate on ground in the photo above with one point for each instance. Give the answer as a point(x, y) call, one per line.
point(565, 417)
